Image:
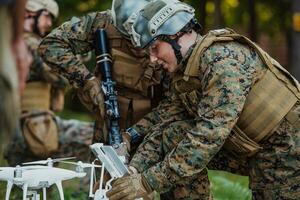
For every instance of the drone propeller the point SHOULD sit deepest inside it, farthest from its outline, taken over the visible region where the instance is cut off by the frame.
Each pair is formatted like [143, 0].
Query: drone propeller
[5, 168]
[81, 164]
[48, 161]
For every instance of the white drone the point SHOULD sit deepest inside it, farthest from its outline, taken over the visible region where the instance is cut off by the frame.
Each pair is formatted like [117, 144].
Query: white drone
[38, 176]
[34, 177]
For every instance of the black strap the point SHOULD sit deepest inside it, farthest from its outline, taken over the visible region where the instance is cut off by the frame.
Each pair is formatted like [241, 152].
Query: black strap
[176, 47]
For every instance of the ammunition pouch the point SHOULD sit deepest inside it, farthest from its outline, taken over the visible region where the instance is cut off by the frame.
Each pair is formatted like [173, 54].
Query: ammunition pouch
[131, 67]
[132, 108]
[134, 74]
[41, 133]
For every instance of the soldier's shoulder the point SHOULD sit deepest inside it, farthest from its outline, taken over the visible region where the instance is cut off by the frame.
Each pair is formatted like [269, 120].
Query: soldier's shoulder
[88, 21]
[221, 49]
[92, 16]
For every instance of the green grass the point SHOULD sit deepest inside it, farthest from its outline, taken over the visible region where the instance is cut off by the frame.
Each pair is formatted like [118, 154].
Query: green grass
[224, 186]
[69, 114]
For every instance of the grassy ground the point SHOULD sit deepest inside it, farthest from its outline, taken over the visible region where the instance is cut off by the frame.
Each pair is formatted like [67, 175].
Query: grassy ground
[224, 186]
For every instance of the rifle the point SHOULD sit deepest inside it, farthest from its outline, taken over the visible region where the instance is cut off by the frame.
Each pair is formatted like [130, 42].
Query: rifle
[108, 155]
[104, 64]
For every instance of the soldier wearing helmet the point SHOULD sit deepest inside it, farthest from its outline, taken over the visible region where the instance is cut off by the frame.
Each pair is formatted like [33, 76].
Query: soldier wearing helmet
[42, 133]
[242, 111]
[39, 16]
[138, 82]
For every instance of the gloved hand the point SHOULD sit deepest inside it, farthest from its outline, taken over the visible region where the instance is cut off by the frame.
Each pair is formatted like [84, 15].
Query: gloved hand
[91, 97]
[107, 177]
[130, 187]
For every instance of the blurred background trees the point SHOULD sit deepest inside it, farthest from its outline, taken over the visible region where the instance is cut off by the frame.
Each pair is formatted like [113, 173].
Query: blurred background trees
[273, 24]
[267, 22]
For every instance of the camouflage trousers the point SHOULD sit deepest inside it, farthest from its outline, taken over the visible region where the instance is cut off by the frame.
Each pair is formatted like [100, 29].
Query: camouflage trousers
[74, 140]
[160, 140]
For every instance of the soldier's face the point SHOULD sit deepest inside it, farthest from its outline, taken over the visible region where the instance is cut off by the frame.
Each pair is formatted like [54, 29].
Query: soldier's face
[163, 54]
[29, 21]
[44, 23]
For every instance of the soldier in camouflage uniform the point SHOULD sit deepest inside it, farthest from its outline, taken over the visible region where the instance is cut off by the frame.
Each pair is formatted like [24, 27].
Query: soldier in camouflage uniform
[241, 104]
[14, 64]
[138, 82]
[42, 134]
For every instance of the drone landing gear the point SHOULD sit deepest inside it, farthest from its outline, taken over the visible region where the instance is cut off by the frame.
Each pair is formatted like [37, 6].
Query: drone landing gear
[32, 195]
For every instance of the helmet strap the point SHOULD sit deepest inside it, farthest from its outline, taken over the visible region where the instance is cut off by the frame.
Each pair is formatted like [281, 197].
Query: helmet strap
[176, 47]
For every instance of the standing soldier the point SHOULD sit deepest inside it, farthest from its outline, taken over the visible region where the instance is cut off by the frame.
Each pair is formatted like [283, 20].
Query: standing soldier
[14, 61]
[42, 133]
[241, 103]
[138, 82]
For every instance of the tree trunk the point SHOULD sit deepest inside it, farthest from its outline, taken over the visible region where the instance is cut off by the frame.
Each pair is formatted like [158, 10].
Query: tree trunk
[252, 31]
[202, 17]
[218, 16]
[295, 43]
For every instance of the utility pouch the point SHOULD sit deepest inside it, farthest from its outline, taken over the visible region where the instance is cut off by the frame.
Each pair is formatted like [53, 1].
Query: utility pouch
[41, 134]
[127, 70]
[132, 109]
[140, 108]
[293, 117]
[57, 99]
[240, 144]
[124, 104]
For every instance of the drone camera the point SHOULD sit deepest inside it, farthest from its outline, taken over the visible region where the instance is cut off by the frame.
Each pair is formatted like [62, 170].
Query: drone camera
[79, 169]
[43, 184]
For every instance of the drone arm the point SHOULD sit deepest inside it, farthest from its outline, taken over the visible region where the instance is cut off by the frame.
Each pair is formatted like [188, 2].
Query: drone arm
[8, 189]
[101, 177]
[25, 188]
[91, 182]
[44, 193]
[60, 190]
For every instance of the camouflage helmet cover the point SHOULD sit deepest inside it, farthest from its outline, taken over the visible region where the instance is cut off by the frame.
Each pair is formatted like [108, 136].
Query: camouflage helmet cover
[160, 17]
[49, 5]
[122, 9]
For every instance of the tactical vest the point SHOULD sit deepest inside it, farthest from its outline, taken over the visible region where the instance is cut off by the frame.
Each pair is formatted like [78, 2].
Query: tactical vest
[136, 78]
[36, 96]
[269, 101]
[132, 68]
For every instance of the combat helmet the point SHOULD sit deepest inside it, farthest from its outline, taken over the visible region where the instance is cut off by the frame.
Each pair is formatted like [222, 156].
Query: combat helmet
[159, 20]
[122, 9]
[37, 5]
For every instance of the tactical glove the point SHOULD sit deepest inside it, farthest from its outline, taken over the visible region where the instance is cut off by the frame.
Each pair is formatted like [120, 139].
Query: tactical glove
[130, 187]
[91, 97]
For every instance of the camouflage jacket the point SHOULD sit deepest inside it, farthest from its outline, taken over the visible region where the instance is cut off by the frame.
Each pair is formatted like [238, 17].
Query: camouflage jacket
[228, 70]
[39, 71]
[60, 47]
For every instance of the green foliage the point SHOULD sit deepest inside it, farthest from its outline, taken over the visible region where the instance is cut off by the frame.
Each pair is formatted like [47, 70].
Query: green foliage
[69, 8]
[272, 16]
[227, 186]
